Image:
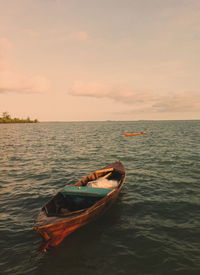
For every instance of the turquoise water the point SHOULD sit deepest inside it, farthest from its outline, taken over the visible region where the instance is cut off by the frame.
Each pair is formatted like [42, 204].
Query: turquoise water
[153, 228]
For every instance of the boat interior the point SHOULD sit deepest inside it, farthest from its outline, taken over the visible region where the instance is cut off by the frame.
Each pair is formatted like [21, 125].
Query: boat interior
[85, 193]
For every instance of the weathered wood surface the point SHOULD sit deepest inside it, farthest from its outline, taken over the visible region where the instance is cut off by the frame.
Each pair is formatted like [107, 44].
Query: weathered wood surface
[57, 229]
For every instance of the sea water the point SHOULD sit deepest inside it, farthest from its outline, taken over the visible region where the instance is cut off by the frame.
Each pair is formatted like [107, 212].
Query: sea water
[153, 228]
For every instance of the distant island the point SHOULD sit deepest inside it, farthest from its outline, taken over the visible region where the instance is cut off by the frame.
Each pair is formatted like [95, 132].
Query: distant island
[6, 118]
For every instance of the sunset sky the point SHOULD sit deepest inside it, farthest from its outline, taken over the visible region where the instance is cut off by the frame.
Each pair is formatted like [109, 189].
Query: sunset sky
[72, 60]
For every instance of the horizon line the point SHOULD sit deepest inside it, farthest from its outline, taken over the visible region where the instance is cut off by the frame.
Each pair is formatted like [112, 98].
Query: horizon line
[108, 120]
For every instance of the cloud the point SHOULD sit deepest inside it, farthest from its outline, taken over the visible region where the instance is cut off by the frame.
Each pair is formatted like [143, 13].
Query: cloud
[140, 100]
[80, 35]
[99, 90]
[179, 102]
[12, 81]
[5, 50]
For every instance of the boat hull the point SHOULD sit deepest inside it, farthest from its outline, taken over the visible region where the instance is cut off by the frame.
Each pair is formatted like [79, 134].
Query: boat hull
[54, 233]
[134, 134]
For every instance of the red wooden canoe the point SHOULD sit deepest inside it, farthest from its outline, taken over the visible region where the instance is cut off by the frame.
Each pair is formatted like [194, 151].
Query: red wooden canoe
[134, 134]
[78, 204]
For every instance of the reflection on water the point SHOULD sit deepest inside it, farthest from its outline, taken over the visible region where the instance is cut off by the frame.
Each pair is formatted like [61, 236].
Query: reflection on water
[152, 229]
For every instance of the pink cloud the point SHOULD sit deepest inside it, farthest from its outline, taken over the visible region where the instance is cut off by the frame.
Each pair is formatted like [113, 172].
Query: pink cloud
[5, 52]
[142, 100]
[100, 90]
[80, 35]
[179, 102]
[83, 35]
[10, 80]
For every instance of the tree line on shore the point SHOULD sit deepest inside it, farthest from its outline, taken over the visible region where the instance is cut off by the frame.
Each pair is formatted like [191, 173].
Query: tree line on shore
[6, 118]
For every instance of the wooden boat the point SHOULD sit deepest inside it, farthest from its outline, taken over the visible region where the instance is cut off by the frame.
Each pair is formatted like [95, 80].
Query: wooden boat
[78, 204]
[134, 134]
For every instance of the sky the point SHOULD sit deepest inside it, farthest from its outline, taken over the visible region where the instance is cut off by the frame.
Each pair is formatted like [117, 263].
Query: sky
[94, 60]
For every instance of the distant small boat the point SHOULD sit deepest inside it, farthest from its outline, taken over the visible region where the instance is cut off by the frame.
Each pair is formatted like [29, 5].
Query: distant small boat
[78, 204]
[134, 134]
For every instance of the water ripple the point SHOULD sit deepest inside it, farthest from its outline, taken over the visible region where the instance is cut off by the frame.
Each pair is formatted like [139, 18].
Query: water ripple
[152, 229]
